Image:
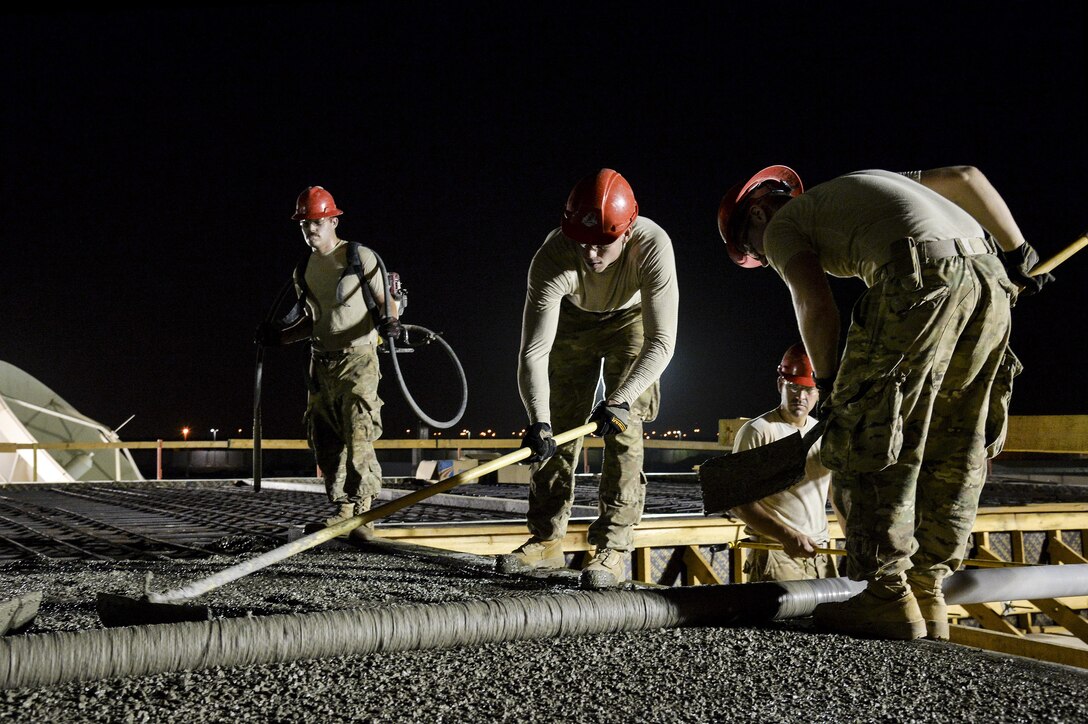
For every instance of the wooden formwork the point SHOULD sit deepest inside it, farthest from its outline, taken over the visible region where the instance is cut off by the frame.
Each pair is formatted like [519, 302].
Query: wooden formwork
[687, 550]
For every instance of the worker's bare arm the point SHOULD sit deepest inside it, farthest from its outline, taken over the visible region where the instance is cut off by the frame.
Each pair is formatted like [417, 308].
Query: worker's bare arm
[969, 189]
[817, 313]
[759, 519]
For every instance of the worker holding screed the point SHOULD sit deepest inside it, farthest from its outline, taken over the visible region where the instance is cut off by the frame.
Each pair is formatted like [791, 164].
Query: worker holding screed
[920, 398]
[341, 309]
[794, 519]
[602, 298]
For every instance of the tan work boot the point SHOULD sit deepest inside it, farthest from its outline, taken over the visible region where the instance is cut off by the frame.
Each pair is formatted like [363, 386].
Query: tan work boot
[365, 531]
[931, 604]
[536, 553]
[878, 612]
[607, 567]
[345, 511]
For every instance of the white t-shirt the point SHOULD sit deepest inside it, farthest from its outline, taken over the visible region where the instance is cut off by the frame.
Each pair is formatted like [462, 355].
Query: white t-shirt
[804, 506]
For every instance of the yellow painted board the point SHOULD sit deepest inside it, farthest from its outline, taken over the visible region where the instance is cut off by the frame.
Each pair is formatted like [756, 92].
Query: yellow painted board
[1048, 434]
[1057, 516]
[1019, 646]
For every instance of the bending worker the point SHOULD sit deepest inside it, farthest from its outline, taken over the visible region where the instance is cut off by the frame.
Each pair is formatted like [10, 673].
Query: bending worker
[602, 293]
[340, 309]
[796, 518]
[920, 397]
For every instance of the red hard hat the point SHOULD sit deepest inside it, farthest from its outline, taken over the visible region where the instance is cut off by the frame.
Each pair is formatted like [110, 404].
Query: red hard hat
[782, 178]
[796, 366]
[315, 203]
[599, 209]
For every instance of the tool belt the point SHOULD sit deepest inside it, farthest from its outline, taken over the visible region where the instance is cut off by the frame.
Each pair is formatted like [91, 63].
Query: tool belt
[905, 256]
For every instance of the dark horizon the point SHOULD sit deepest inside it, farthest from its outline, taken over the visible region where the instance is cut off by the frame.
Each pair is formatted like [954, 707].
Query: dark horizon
[152, 158]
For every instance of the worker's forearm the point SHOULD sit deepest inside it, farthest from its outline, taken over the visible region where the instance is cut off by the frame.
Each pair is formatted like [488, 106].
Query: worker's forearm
[818, 322]
[758, 519]
[817, 313]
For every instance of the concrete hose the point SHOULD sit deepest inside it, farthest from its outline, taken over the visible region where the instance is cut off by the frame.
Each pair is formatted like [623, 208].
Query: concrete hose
[429, 336]
[48, 659]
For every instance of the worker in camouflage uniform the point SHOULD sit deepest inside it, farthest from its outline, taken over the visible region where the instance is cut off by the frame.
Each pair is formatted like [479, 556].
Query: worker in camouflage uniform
[795, 518]
[342, 318]
[920, 398]
[602, 299]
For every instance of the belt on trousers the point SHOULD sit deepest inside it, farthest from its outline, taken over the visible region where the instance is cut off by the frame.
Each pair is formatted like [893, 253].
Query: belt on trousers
[943, 248]
[326, 355]
[899, 257]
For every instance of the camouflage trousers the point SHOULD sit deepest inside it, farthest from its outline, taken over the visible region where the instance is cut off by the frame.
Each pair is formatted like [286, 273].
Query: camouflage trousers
[343, 419]
[582, 340]
[920, 403]
[776, 565]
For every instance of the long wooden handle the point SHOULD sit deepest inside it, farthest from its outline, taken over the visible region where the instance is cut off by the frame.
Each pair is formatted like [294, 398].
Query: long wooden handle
[1061, 256]
[460, 479]
[275, 555]
[778, 546]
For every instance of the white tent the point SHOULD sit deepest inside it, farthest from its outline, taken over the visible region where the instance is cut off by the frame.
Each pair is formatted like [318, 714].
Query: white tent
[31, 412]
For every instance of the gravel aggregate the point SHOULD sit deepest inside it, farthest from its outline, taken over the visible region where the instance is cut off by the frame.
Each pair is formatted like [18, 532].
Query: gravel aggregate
[782, 672]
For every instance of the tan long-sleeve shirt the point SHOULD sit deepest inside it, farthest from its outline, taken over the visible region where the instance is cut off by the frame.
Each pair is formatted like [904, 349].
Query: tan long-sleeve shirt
[644, 274]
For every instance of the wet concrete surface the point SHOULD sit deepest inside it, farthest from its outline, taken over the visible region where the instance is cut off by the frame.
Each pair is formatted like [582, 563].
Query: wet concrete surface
[781, 672]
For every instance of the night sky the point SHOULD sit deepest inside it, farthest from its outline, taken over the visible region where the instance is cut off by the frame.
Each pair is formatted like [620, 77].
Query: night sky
[151, 159]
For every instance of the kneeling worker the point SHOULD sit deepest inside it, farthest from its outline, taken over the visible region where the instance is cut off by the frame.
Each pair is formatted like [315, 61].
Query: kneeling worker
[797, 517]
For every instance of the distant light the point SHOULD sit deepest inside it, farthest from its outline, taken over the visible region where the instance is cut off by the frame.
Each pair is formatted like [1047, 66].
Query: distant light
[185, 433]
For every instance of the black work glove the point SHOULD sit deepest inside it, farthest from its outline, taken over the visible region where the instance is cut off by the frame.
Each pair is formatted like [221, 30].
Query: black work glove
[389, 327]
[538, 438]
[610, 419]
[1018, 263]
[824, 385]
[268, 335]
